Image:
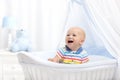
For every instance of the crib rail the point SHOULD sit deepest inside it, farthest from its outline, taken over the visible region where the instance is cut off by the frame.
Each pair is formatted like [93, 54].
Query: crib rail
[37, 72]
[34, 70]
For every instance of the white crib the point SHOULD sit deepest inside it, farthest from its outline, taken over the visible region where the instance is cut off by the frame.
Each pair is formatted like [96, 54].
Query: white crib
[36, 67]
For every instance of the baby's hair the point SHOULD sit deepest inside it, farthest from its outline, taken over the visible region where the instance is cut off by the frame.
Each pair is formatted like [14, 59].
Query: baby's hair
[80, 29]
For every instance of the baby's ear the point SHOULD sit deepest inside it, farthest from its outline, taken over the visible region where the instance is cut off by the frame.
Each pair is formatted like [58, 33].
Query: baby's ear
[82, 41]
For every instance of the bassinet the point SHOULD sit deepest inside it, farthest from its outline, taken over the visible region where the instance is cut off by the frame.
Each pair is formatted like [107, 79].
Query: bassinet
[36, 67]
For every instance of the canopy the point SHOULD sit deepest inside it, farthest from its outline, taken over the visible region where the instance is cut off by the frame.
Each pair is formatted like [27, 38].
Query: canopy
[99, 19]
[102, 33]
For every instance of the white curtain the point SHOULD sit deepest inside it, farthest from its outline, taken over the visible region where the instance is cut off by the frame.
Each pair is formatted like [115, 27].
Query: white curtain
[102, 19]
[44, 20]
[106, 15]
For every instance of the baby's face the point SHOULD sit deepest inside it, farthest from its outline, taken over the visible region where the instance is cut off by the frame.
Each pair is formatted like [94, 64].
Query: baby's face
[74, 38]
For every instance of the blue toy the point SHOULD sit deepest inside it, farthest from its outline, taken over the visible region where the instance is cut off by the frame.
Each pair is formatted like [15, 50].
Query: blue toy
[21, 43]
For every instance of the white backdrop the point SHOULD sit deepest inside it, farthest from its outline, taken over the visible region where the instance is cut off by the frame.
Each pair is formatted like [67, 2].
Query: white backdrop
[45, 20]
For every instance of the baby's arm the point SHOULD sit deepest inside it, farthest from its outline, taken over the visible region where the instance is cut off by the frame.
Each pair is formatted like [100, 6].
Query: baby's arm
[55, 59]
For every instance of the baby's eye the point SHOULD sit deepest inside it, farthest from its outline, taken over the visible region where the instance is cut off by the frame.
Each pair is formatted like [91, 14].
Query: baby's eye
[68, 35]
[74, 35]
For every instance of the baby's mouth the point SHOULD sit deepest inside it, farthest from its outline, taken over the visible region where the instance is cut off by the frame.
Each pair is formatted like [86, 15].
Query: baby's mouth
[70, 41]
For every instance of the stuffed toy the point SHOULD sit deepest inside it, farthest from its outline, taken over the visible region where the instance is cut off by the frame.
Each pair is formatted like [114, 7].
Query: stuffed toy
[21, 42]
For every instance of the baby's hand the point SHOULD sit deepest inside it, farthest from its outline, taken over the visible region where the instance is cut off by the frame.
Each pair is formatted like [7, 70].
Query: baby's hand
[53, 60]
[50, 59]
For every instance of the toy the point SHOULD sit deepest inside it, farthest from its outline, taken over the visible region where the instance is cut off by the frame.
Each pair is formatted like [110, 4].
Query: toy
[22, 42]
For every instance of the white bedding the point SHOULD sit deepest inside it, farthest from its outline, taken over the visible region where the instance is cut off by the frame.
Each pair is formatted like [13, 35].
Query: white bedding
[42, 58]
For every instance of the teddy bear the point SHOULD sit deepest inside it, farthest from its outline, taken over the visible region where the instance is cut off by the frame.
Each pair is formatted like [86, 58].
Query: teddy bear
[21, 42]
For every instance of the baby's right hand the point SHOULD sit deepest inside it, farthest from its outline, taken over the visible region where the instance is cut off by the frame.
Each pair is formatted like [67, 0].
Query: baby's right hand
[50, 59]
[53, 60]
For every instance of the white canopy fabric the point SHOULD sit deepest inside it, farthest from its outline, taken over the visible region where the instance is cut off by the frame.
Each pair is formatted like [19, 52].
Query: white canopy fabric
[100, 19]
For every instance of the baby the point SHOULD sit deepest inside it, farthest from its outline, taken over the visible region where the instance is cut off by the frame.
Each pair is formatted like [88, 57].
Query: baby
[72, 53]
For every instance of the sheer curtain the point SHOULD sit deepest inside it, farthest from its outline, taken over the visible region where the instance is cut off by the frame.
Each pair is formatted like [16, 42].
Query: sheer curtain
[103, 19]
[106, 16]
[100, 19]
[43, 19]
